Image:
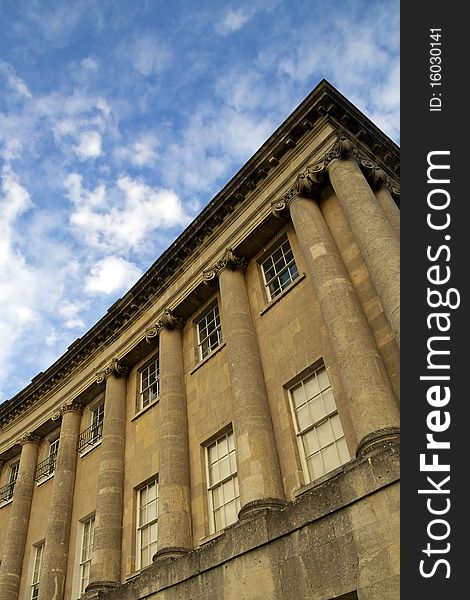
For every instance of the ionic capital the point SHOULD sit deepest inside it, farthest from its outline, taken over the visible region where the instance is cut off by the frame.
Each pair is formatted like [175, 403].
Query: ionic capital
[229, 261]
[378, 179]
[29, 438]
[308, 184]
[115, 367]
[69, 406]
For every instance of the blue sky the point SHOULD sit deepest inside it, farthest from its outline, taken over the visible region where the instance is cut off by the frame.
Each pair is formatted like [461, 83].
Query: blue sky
[121, 119]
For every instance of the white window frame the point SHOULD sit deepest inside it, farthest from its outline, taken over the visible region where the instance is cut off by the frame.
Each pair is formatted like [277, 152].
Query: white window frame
[216, 484]
[86, 550]
[202, 323]
[53, 449]
[153, 394]
[36, 571]
[314, 425]
[287, 266]
[147, 524]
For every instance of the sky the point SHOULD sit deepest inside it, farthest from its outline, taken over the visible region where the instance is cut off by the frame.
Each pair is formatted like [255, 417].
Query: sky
[121, 119]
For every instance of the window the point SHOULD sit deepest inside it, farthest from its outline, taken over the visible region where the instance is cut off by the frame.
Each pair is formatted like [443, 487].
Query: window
[6, 492]
[224, 497]
[318, 427]
[279, 270]
[47, 466]
[39, 550]
[92, 435]
[209, 332]
[88, 528]
[147, 523]
[149, 383]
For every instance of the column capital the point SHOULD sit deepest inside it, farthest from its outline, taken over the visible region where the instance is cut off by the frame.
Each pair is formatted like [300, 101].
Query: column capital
[114, 367]
[308, 184]
[29, 438]
[378, 179]
[229, 261]
[170, 321]
[69, 406]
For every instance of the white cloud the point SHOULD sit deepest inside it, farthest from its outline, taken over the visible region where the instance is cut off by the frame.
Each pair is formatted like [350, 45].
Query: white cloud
[232, 21]
[140, 153]
[148, 54]
[120, 219]
[90, 145]
[15, 82]
[112, 274]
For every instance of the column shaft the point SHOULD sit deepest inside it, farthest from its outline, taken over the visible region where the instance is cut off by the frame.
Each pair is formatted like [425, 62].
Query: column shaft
[174, 521]
[391, 210]
[105, 570]
[367, 387]
[374, 234]
[257, 461]
[15, 539]
[54, 561]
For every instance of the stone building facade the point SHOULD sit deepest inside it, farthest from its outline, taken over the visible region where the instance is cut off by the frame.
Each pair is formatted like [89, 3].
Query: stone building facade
[230, 428]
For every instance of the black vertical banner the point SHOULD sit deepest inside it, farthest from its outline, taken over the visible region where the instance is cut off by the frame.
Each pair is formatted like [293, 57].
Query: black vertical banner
[435, 181]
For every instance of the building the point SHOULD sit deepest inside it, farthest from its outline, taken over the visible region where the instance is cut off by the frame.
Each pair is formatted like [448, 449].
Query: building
[230, 428]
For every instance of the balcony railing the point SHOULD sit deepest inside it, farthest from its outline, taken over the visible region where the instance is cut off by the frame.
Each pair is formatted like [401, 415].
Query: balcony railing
[6, 492]
[90, 436]
[45, 468]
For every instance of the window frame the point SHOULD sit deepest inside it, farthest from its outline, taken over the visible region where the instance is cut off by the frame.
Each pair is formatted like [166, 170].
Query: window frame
[36, 571]
[278, 245]
[214, 306]
[314, 425]
[211, 486]
[141, 527]
[155, 360]
[85, 565]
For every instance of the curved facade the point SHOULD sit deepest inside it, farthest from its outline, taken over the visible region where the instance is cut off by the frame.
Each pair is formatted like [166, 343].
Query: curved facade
[230, 428]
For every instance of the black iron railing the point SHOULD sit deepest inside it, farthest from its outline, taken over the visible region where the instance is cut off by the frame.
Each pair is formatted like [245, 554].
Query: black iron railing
[46, 467]
[90, 436]
[6, 492]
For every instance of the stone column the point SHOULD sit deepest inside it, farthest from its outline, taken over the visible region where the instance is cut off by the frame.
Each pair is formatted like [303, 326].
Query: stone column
[174, 517]
[54, 560]
[368, 390]
[257, 460]
[383, 189]
[105, 570]
[15, 539]
[372, 231]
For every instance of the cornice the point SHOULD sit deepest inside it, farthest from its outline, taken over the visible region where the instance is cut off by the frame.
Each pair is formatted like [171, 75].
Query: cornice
[323, 105]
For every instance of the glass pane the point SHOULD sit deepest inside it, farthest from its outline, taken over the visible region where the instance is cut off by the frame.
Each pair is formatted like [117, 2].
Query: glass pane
[298, 396]
[217, 497]
[337, 428]
[233, 463]
[329, 401]
[310, 442]
[224, 467]
[212, 453]
[230, 513]
[343, 450]
[303, 417]
[222, 447]
[325, 434]
[229, 491]
[323, 379]
[219, 520]
[152, 511]
[144, 537]
[317, 411]
[214, 474]
[231, 445]
[330, 458]
[311, 387]
[315, 466]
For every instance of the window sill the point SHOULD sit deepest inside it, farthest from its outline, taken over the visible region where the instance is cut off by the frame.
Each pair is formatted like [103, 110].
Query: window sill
[212, 536]
[327, 476]
[283, 293]
[6, 503]
[146, 408]
[203, 362]
[44, 479]
[85, 452]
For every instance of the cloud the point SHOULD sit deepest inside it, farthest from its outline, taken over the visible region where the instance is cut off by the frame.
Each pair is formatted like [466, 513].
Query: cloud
[90, 145]
[120, 218]
[232, 21]
[140, 153]
[15, 82]
[148, 55]
[112, 274]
